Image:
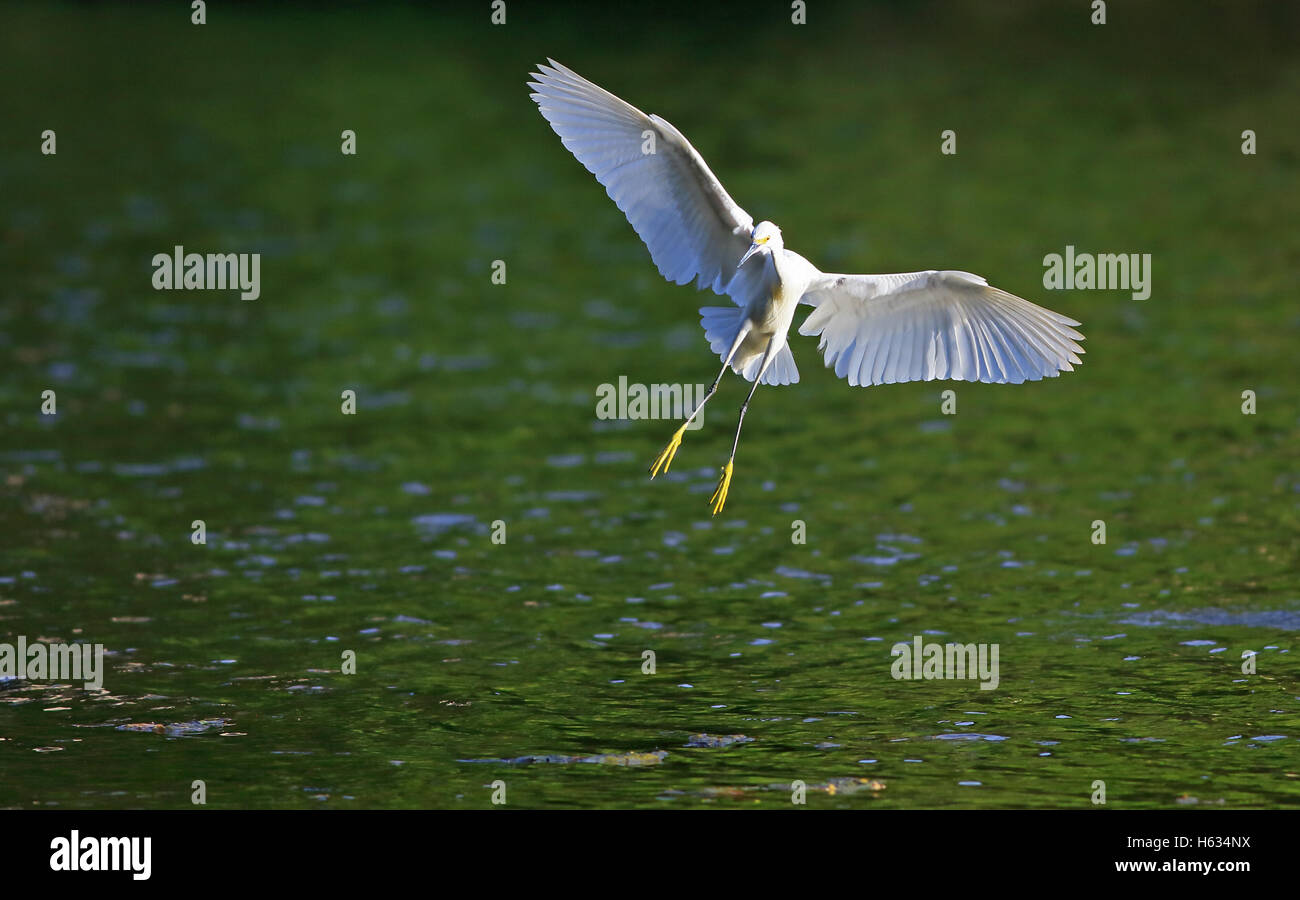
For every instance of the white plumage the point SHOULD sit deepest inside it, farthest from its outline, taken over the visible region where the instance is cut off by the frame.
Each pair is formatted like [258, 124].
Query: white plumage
[923, 326]
[874, 329]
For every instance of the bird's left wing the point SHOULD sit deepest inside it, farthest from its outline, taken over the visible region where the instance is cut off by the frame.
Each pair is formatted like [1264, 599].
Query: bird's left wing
[691, 226]
[923, 326]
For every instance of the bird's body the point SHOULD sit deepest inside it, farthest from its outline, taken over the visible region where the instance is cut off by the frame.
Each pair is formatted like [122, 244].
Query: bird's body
[767, 316]
[873, 329]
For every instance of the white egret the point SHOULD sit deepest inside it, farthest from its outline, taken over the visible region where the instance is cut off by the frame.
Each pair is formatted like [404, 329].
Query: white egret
[874, 329]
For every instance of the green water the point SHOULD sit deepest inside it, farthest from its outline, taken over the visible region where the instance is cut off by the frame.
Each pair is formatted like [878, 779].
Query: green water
[522, 661]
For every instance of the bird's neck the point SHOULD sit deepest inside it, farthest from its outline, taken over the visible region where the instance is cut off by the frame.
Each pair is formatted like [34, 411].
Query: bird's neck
[778, 260]
[793, 271]
[788, 269]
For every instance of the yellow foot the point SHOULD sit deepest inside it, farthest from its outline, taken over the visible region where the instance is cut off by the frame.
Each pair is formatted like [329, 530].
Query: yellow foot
[719, 497]
[665, 457]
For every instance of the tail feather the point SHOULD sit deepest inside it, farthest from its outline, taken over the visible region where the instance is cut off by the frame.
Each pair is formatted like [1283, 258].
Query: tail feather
[782, 370]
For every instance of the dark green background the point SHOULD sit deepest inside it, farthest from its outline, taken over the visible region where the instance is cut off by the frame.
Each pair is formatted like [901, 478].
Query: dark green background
[476, 404]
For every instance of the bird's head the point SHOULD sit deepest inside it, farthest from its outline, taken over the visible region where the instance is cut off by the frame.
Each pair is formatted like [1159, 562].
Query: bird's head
[766, 236]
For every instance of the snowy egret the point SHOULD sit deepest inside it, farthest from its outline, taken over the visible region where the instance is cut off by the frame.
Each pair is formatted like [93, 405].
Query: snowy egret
[874, 329]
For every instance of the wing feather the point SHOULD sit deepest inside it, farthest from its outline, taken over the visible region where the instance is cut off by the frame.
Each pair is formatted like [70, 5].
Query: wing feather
[689, 223]
[926, 326]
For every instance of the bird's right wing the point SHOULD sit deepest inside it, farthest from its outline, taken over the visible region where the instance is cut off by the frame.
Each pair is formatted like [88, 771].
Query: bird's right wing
[691, 226]
[922, 326]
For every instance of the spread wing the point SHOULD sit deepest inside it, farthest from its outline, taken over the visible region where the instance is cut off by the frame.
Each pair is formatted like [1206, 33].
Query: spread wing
[692, 227]
[923, 326]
